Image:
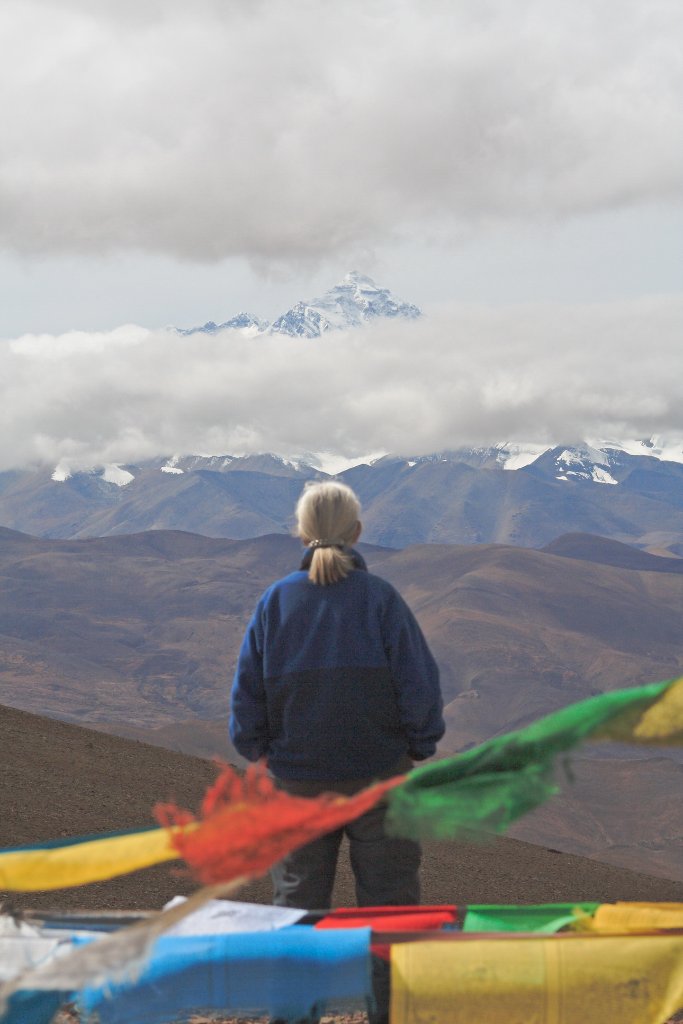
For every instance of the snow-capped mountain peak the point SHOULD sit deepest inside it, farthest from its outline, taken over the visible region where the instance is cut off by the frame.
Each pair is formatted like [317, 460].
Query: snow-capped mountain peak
[654, 447]
[355, 301]
[245, 322]
[584, 463]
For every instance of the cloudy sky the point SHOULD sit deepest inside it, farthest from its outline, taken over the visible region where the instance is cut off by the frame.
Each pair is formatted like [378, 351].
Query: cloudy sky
[515, 169]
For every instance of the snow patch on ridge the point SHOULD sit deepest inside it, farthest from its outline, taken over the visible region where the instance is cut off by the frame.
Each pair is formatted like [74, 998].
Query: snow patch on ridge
[584, 463]
[114, 474]
[601, 476]
[655, 447]
[172, 466]
[517, 454]
[328, 462]
[61, 473]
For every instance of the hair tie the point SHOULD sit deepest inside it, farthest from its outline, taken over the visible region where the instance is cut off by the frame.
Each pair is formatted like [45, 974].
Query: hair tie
[326, 544]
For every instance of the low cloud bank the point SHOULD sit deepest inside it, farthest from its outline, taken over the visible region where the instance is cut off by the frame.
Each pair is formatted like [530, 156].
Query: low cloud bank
[467, 375]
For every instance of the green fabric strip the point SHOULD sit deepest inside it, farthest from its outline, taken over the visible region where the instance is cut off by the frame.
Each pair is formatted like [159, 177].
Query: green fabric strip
[543, 917]
[485, 789]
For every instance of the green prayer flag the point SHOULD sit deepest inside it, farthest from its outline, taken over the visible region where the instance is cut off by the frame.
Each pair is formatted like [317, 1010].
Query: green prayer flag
[541, 917]
[485, 789]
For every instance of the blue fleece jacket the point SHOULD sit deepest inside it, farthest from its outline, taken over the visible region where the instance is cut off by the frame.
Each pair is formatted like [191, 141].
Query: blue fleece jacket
[335, 682]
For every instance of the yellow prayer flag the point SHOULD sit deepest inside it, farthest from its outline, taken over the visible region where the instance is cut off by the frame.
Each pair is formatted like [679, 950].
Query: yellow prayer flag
[663, 721]
[659, 724]
[635, 917]
[93, 860]
[564, 979]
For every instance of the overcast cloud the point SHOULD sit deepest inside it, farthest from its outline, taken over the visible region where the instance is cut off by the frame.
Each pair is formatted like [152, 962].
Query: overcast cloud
[287, 132]
[469, 375]
[535, 149]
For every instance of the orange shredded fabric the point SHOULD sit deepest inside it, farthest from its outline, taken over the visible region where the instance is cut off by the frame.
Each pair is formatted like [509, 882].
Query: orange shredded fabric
[247, 824]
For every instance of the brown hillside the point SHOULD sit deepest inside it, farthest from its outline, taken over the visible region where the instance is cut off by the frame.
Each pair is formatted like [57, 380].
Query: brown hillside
[62, 780]
[145, 629]
[520, 633]
[139, 635]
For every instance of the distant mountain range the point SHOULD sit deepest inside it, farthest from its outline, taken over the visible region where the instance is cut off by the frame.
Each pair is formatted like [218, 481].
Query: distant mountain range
[139, 635]
[509, 493]
[351, 303]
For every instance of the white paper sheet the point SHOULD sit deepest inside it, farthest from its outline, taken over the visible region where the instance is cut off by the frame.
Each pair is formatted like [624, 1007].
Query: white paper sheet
[219, 917]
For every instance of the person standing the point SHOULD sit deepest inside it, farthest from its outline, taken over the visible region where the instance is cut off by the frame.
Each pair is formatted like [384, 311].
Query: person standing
[336, 688]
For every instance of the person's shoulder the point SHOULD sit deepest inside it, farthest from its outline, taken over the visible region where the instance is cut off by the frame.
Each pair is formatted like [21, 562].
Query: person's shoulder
[297, 578]
[377, 585]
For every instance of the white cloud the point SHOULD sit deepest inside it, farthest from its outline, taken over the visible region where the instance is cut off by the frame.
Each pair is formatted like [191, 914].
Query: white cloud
[285, 132]
[469, 374]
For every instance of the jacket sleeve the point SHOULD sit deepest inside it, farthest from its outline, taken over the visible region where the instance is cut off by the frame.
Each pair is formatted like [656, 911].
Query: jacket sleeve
[248, 714]
[416, 679]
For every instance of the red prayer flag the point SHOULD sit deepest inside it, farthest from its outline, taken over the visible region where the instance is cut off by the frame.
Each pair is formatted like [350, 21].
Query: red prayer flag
[247, 824]
[391, 919]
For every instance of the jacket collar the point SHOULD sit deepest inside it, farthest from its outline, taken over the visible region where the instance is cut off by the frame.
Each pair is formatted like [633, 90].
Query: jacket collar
[358, 560]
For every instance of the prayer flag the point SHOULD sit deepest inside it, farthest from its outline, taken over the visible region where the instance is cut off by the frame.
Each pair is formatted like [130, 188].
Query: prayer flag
[485, 789]
[290, 974]
[543, 917]
[636, 917]
[390, 920]
[563, 979]
[65, 863]
[247, 823]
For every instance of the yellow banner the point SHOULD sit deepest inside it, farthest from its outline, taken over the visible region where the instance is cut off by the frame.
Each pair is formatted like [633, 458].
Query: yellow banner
[661, 724]
[566, 979]
[94, 860]
[635, 917]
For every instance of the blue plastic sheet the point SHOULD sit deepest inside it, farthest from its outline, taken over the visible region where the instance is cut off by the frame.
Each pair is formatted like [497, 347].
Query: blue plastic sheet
[291, 973]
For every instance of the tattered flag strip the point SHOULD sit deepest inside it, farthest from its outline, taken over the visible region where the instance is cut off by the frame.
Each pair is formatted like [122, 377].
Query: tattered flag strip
[561, 979]
[111, 958]
[247, 824]
[62, 864]
[485, 789]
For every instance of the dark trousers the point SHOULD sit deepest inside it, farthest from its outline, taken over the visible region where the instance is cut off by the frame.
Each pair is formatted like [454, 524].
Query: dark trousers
[385, 869]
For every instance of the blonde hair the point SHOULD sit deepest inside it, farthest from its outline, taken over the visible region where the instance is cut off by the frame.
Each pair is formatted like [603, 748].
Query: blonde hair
[327, 517]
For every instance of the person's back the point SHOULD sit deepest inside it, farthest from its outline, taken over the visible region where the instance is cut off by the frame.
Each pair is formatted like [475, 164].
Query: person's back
[335, 686]
[346, 679]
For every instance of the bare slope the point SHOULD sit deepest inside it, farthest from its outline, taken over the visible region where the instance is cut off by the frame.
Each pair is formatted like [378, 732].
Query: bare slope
[62, 780]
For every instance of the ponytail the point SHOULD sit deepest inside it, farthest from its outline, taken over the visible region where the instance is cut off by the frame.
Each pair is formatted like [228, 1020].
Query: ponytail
[328, 522]
[329, 565]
